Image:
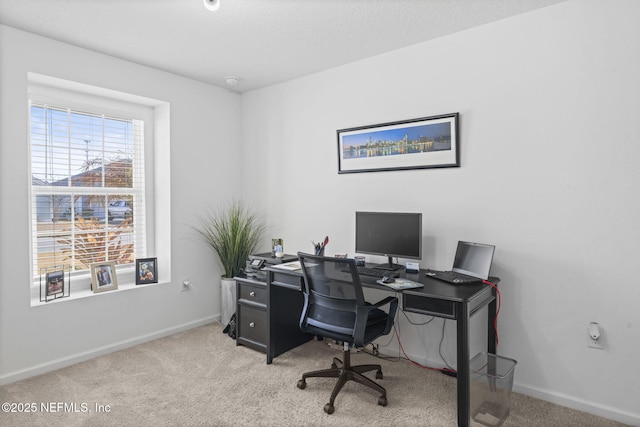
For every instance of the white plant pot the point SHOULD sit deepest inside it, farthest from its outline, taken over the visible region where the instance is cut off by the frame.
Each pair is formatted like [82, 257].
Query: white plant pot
[227, 299]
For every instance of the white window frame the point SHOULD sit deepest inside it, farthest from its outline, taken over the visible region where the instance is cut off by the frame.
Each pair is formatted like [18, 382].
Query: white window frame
[155, 115]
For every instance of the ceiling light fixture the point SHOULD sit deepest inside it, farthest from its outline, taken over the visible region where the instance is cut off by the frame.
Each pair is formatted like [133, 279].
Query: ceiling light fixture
[231, 80]
[212, 5]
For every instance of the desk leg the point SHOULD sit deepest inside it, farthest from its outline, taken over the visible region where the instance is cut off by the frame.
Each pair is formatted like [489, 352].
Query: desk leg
[491, 330]
[464, 392]
[284, 306]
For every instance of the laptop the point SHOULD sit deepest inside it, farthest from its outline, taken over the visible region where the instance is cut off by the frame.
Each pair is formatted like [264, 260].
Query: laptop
[471, 264]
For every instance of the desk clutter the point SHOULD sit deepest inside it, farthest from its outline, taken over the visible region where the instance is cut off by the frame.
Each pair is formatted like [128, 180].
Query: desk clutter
[400, 284]
[256, 262]
[290, 266]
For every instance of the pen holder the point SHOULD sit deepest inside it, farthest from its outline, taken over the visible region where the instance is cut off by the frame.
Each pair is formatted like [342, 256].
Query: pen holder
[318, 248]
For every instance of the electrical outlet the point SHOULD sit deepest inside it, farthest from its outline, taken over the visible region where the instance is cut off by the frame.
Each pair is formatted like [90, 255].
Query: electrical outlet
[594, 336]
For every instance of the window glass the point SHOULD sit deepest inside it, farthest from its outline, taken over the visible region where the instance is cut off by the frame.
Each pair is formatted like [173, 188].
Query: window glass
[88, 195]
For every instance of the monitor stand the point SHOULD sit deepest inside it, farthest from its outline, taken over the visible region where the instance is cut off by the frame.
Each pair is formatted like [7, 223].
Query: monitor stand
[390, 266]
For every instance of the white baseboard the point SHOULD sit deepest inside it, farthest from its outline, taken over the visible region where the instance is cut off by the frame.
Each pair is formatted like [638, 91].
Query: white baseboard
[604, 411]
[81, 357]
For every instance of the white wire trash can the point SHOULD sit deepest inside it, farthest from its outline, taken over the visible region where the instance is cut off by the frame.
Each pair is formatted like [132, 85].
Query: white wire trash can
[491, 383]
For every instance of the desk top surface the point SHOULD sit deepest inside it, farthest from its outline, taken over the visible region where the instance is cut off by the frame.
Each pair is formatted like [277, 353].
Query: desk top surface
[432, 287]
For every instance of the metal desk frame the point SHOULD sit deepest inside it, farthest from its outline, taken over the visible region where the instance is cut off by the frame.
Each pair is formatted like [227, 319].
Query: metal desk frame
[436, 298]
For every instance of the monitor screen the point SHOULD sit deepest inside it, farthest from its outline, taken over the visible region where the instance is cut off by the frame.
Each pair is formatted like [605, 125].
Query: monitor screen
[390, 234]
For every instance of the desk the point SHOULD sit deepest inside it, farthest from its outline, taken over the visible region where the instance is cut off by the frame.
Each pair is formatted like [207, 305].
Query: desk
[277, 305]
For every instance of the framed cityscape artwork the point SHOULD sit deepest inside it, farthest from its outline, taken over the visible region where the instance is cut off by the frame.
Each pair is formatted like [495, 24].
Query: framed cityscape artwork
[427, 142]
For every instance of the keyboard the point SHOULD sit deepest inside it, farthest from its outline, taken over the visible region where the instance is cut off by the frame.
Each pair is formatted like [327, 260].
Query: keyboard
[375, 272]
[452, 277]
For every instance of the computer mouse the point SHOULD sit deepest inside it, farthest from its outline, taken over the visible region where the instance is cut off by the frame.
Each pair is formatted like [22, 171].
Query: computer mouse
[388, 279]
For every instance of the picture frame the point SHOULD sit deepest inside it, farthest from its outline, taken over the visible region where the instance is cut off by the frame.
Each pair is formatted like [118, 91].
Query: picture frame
[103, 276]
[54, 284]
[146, 271]
[277, 245]
[426, 142]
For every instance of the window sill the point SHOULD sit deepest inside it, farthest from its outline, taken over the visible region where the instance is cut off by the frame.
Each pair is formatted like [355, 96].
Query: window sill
[88, 293]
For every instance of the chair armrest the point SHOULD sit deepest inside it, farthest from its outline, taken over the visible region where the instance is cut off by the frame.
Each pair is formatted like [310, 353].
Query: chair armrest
[393, 308]
[363, 315]
[387, 300]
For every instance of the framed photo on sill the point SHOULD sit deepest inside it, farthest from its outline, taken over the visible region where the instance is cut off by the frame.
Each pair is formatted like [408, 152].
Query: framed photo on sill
[427, 142]
[54, 284]
[146, 271]
[103, 276]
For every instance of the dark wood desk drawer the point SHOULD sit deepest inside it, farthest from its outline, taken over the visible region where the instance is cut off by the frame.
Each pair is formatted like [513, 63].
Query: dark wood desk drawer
[252, 326]
[427, 305]
[252, 293]
[287, 280]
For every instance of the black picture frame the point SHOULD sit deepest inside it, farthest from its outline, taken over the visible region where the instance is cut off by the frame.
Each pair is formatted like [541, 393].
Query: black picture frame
[146, 271]
[426, 142]
[54, 283]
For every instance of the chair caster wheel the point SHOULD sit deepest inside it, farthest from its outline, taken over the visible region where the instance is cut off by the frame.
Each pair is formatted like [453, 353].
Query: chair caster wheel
[382, 401]
[379, 375]
[329, 409]
[302, 384]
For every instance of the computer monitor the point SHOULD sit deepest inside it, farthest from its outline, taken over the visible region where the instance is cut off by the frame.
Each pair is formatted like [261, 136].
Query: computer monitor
[390, 234]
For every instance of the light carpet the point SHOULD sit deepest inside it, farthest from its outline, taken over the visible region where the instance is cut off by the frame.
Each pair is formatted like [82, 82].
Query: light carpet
[201, 378]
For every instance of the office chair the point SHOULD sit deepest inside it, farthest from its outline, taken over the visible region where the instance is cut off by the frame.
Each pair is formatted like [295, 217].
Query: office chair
[334, 307]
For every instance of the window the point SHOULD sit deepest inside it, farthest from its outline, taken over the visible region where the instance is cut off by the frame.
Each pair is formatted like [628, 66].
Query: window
[92, 179]
[87, 174]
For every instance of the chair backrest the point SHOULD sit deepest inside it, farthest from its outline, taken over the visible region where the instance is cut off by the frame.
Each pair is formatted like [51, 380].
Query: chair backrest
[332, 293]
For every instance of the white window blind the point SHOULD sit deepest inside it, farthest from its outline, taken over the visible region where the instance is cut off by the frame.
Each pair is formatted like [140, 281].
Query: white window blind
[88, 188]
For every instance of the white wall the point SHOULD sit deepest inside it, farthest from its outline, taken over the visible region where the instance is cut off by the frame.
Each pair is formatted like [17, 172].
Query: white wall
[549, 104]
[204, 151]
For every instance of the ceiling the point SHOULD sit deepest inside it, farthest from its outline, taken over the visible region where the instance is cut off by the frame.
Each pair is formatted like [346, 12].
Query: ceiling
[262, 42]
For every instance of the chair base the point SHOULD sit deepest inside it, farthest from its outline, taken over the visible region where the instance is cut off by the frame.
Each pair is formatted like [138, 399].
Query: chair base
[345, 372]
